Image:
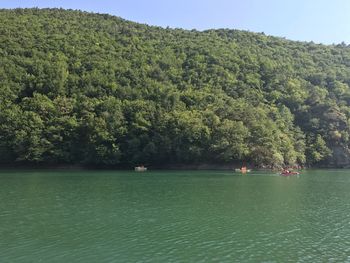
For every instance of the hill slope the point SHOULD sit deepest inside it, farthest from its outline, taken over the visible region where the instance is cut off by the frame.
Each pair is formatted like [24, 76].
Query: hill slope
[86, 88]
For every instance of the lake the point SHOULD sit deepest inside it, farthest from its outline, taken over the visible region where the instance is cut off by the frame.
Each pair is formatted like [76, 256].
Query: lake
[174, 216]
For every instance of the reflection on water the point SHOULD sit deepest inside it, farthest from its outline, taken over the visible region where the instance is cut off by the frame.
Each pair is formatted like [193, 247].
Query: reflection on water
[92, 216]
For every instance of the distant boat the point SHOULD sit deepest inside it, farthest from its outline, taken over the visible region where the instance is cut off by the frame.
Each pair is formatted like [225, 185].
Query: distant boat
[243, 170]
[288, 173]
[140, 169]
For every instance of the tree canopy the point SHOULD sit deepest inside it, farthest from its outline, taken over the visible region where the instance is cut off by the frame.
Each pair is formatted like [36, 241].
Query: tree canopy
[94, 89]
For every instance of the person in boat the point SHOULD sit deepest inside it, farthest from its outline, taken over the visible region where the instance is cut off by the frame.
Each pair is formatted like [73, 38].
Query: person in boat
[286, 171]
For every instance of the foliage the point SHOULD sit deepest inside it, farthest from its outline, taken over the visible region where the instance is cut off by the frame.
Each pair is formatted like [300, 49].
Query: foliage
[94, 89]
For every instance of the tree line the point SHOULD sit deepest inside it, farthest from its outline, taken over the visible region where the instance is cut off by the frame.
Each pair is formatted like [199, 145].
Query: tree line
[94, 89]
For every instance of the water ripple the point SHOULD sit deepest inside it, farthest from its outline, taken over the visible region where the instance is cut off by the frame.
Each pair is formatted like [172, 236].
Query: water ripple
[175, 217]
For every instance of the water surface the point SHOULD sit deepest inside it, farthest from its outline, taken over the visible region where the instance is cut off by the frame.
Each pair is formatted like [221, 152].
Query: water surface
[187, 216]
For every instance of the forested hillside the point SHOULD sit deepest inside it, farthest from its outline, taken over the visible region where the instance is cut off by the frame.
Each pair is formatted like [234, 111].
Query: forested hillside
[82, 88]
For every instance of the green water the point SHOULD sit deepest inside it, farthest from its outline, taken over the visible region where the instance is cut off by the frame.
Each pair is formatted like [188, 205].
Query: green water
[201, 216]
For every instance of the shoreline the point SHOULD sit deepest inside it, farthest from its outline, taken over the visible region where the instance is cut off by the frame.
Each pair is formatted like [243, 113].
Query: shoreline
[179, 167]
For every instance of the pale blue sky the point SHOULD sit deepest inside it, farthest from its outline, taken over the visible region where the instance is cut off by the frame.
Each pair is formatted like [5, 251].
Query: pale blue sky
[321, 21]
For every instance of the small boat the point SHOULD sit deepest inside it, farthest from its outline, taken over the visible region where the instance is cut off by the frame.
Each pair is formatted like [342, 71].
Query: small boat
[140, 169]
[243, 170]
[288, 173]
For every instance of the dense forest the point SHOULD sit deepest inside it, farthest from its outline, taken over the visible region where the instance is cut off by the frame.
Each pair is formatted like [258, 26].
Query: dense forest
[94, 89]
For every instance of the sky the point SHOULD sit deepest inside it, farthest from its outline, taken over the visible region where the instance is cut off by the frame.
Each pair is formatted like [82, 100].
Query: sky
[320, 21]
